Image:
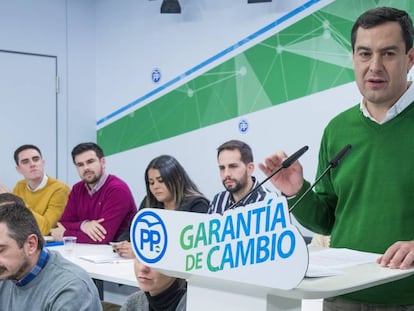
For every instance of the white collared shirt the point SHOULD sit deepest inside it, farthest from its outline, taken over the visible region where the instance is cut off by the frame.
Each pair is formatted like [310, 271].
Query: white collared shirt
[403, 102]
[40, 186]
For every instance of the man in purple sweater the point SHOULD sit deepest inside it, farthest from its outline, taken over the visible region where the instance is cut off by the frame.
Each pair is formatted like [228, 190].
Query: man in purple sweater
[101, 206]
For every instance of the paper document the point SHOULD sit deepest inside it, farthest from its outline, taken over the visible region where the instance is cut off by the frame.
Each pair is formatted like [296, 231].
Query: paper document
[331, 261]
[115, 258]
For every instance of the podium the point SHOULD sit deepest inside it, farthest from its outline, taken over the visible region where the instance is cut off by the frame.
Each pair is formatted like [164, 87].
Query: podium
[251, 258]
[210, 295]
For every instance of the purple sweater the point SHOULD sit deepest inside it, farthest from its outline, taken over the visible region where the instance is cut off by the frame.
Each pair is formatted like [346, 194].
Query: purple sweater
[113, 202]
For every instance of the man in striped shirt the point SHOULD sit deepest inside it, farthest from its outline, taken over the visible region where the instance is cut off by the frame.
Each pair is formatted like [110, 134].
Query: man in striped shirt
[235, 161]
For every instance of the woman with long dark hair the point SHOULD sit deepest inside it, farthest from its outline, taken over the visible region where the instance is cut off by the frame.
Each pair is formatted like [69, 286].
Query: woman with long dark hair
[168, 186]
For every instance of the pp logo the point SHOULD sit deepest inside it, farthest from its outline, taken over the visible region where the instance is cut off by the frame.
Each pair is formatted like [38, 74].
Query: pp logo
[156, 75]
[149, 237]
[243, 126]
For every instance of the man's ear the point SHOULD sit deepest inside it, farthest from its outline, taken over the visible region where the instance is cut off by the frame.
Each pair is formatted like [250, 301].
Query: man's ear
[410, 59]
[31, 244]
[250, 168]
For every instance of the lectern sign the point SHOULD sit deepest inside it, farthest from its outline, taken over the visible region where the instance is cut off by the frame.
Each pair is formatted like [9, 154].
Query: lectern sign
[255, 244]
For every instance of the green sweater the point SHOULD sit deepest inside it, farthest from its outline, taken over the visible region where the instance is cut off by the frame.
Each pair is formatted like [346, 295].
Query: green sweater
[367, 202]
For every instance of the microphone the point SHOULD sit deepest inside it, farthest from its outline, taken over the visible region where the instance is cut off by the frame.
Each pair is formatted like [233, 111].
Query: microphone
[332, 164]
[335, 161]
[285, 164]
[289, 161]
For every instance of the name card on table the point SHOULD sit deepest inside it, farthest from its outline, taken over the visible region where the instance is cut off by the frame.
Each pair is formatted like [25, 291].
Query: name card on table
[254, 244]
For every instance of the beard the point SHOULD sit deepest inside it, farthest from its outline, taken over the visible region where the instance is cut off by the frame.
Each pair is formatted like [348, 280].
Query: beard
[18, 275]
[235, 188]
[93, 179]
[238, 186]
[2, 270]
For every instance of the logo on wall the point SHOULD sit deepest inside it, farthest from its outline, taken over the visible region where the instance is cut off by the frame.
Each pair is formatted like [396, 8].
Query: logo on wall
[243, 126]
[156, 75]
[152, 235]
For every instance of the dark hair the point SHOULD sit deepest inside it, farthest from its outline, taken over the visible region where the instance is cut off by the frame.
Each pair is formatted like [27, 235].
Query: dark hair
[9, 197]
[381, 15]
[19, 220]
[22, 148]
[83, 147]
[244, 149]
[175, 178]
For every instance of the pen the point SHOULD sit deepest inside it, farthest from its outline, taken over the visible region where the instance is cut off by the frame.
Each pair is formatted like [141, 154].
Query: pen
[120, 261]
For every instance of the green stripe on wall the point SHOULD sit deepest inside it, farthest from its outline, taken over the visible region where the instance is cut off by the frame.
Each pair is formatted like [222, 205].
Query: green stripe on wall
[310, 56]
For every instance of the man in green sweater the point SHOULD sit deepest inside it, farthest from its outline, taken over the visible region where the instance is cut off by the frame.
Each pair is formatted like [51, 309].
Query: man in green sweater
[367, 203]
[33, 277]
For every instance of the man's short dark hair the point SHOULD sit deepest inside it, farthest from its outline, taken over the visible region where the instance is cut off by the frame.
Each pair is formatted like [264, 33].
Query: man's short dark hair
[244, 149]
[83, 147]
[8, 197]
[22, 148]
[381, 15]
[19, 220]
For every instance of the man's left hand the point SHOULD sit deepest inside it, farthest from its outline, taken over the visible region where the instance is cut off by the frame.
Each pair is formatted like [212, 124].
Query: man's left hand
[400, 255]
[57, 233]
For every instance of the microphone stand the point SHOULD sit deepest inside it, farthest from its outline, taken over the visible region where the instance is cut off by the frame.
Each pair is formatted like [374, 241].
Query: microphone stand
[288, 162]
[234, 205]
[332, 164]
[311, 187]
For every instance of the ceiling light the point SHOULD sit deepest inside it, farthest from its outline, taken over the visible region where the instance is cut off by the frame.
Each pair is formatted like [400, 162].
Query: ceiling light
[258, 1]
[170, 6]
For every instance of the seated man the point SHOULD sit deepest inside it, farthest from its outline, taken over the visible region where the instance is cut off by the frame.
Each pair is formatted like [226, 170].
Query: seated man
[45, 196]
[101, 206]
[235, 162]
[33, 277]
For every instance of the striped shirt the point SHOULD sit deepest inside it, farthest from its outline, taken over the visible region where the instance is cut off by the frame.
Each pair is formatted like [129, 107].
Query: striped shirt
[224, 200]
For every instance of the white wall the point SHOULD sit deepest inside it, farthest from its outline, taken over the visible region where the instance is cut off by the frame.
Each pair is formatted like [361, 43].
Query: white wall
[66, 29]
[81, 77]
[106, 51]
[134, 38]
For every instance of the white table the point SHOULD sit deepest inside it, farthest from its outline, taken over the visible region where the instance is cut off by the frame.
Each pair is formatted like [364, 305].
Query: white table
[208, 294]
[205, 294]
[118, 273]
[355, 278]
